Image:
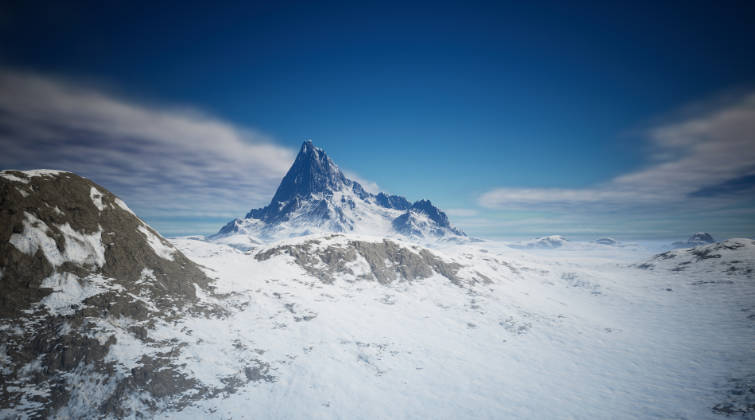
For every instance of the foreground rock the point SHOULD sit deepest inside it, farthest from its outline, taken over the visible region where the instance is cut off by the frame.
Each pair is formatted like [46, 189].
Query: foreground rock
[80, 274]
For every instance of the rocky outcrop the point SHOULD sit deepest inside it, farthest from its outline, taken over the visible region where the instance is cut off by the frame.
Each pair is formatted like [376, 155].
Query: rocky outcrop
[383, 261]
[607, 241]
[78, 269]
[732, 257]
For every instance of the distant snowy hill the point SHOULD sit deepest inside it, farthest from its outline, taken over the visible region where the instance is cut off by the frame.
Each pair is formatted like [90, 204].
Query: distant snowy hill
[699, 238]
[607, 241]
[732, 256]
[545, 242]
[316, 197]
[83, 282]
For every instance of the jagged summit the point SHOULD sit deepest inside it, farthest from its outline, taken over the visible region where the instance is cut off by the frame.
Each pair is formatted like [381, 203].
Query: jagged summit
[312, 172]
[315, 196]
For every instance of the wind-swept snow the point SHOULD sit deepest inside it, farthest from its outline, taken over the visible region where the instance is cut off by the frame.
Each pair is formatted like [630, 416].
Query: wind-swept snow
[79, 247]
[120, 203]
[96, 197]
[162, 249]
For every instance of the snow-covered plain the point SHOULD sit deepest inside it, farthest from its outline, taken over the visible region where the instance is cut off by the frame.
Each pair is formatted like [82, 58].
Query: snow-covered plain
[582, 331]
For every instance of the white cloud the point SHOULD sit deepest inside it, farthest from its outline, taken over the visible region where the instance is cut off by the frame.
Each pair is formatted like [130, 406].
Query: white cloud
[166, 162]
[686, 156]
[368, 185]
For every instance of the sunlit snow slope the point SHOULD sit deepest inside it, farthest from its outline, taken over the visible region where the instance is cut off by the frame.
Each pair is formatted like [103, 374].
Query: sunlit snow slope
[483, 332]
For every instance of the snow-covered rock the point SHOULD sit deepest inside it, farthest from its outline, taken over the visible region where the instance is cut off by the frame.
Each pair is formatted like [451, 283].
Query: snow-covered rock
[316, 197]
[337, 256]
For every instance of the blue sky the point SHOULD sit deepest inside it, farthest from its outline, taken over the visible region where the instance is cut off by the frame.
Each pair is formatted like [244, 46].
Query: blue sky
[519, 119]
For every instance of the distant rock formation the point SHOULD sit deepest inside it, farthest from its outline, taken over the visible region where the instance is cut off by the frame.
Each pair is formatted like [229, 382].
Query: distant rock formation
[699, 238]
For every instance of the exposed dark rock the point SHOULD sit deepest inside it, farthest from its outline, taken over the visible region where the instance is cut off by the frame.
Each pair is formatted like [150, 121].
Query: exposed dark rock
[64, 231]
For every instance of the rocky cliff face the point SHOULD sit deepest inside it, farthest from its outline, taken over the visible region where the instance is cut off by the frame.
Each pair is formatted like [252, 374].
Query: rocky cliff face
[316, 197]
[79, 274]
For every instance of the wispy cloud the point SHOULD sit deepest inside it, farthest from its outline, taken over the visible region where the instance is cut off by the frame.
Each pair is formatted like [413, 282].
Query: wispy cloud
[710, 157]
[164, 162]
[369, 186]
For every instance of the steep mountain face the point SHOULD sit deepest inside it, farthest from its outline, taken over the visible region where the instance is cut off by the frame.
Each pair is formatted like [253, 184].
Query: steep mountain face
[83, 280]
[315, 197]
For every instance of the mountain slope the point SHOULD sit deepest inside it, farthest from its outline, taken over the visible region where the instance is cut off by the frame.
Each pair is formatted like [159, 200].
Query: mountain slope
[316, 197]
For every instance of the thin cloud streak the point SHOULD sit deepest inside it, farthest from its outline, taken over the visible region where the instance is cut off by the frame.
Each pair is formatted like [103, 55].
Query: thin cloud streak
[369, 186]
[161, 161]
[687, 156]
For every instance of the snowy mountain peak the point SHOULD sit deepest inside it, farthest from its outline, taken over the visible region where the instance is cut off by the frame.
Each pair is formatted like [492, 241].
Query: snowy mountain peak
[312, 172]
[315, 196]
